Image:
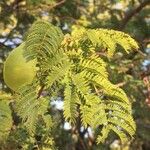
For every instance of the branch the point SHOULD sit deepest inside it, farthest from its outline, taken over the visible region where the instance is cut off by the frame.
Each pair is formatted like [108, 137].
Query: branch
[15, 6]
[59, 3]
[3, 45]
[129, 15]
[145, 73]
[49, 7]
[146, 41]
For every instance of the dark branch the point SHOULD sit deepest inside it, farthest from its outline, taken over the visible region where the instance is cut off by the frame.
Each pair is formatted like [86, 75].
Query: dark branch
[132, 13]
[5, 46]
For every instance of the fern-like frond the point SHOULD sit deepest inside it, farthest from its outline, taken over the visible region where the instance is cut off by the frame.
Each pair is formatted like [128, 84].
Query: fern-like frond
[70, 102]
[123, 137]
[115, 112]
[104, 134]
[115, 105]
[26, 107]
[29, 107]
[92, 112]
[56, 59]
[47, 120]
[98, 114]
[85, 115]
[122, 125]
[105, 39]
[120, 111]
[83, 93]
[43, 38]
[81, 84]
[109, 89]
[57, 73]
[95, 65]
[124, 117]
[109, 39]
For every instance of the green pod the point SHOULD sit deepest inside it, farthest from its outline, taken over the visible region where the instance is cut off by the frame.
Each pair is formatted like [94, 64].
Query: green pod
[17, 70]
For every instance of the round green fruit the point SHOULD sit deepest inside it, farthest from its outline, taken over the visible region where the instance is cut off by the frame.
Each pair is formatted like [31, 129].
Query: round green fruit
[17, 70]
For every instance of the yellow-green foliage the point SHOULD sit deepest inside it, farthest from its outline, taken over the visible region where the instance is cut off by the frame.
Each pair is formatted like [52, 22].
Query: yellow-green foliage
[71, 65]
[5, 116]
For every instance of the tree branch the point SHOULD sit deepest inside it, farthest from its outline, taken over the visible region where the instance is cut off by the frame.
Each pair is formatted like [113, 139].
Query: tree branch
[3, 45]
[49, 7]
[59, 3]
[132, 13]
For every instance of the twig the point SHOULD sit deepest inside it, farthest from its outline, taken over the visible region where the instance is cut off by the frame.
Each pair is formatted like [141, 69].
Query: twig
[59, 3]
[91, 140]
[120, 84]
[101, 54]
[40, 91]
[96, 90]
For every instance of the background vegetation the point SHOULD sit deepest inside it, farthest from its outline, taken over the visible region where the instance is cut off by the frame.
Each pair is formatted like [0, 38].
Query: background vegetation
[130, 72]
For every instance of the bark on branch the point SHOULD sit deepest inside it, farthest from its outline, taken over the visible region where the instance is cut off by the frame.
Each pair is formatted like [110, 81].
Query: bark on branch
[132, 13]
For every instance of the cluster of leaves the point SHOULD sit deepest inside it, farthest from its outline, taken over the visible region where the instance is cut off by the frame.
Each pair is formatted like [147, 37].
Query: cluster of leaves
[69, 67]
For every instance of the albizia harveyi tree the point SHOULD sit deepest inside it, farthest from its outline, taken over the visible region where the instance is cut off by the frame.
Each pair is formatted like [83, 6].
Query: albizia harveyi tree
[124, 70]
[67, 66]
